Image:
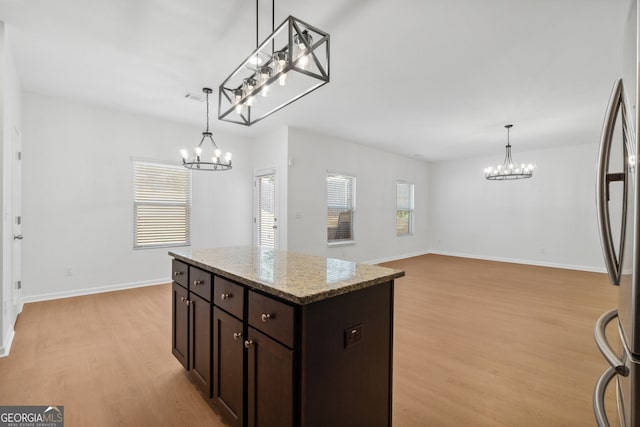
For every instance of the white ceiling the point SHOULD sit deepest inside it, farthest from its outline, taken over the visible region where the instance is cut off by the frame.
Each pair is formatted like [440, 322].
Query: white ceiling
[437, 78]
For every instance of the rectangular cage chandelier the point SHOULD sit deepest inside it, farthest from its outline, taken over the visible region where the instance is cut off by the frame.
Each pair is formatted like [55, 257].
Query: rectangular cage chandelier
[291, 63]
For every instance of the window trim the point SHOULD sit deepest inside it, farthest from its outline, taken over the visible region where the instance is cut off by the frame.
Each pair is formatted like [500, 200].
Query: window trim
[189, 204]
[345, 242]
[411, 210]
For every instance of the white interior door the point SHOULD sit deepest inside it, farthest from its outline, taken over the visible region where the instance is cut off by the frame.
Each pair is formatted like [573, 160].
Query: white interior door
[265, 217]
[17, 224]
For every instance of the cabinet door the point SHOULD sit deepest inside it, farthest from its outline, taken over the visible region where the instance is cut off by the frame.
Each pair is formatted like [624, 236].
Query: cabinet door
[200, 348]
[228, 376]
[270, 382]
[180, 324]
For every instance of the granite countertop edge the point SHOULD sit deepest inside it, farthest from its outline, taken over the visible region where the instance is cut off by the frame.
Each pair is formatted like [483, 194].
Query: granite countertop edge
[265, 287]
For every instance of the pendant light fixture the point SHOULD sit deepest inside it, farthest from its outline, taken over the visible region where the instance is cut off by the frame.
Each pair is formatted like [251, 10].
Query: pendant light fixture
[509, 170]
[289, 64]
[202, 158]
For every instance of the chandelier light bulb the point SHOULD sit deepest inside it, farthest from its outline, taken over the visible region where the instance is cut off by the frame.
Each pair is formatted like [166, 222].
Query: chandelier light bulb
[184, 153]
[227, 157]
[198, 151]
[216, 152]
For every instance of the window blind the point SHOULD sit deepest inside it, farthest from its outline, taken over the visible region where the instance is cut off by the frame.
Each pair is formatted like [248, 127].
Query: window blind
[404, 208]
[162, 205]
[265, 219]
[340, 207]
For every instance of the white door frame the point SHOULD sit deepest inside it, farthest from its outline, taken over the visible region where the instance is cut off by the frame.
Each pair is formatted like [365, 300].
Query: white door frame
[16, 269]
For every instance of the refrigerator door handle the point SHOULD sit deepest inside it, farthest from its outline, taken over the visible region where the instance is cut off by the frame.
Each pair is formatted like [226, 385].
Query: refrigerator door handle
[598, 397]
[603, 179]
[614, 360]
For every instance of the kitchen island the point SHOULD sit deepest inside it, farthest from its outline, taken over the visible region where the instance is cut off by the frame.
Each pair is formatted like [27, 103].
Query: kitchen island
[274, 338]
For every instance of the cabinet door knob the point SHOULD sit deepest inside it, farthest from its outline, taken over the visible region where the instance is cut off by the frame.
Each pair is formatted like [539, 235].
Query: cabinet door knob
[225, 296]
[237, 335]
[183, 299]
[248, 343]
[266, 316]
[177, 273]
[187, 302]
[197, 282]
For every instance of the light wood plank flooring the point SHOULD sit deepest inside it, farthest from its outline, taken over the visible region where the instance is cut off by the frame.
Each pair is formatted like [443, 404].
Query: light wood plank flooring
[477, 343]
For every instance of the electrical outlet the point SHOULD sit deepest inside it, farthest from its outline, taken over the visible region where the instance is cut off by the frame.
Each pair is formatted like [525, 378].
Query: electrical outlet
[353, 335]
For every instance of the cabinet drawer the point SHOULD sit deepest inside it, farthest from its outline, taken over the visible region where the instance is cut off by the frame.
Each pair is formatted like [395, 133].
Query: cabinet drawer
[272, 317]
[200, 282]
[229, 296]
[179, 272]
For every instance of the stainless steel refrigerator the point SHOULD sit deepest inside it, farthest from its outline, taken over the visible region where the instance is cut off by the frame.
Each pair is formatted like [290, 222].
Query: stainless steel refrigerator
[619, 223]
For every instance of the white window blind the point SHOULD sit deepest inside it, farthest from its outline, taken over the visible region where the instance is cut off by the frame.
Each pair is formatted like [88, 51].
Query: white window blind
[265, 216]
[162, 205]
[340, 208]
[404, 208]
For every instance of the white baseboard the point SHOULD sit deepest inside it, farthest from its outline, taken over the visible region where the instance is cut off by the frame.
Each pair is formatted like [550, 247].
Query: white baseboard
[94, 290]
[6, 345]
[523, 261]
[395, 258]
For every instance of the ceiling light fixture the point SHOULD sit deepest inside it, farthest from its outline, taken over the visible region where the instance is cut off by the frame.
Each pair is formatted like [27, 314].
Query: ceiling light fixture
[509, 170]
[298, 66]
[197, 162]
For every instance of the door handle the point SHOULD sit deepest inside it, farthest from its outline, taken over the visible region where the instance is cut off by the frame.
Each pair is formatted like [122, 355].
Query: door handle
[603, 179]
[17, 237]
[603, 344]
[598, 397]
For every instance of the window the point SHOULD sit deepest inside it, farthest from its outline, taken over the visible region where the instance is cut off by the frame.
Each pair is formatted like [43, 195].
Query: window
[265, 219]
[161, 205]
[404, 208]
[340, 208]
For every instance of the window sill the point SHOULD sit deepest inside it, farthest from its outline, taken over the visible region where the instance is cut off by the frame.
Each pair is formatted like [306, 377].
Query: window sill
[404, 235]
[341, 243]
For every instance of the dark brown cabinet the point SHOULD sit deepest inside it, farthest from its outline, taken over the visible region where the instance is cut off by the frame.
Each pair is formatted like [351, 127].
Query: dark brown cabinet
[180, 324]
[228, 369]
[269, 382]
[200, 342]
[264, 361]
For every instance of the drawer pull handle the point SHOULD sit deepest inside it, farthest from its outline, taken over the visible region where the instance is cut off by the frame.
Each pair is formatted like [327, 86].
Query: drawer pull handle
[225, 296]
[177, 273]
[198, 282]
[237, 335]
[265, 317]
[248, 343]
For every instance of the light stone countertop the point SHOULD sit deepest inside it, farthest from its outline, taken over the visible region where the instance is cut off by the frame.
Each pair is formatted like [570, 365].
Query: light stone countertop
[295, 277]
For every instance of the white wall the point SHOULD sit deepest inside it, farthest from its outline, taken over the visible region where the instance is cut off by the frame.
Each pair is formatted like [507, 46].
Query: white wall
[10, 122]
[77, 196]
[376, 174]
[549, 219]
[270, 151]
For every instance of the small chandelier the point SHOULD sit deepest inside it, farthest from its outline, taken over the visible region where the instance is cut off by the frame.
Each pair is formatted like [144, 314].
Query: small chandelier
[509, 170]
[291, 63]
[201, 161]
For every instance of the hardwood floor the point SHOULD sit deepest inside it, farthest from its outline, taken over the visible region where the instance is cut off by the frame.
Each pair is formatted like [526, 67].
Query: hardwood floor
[480, 343]
[477, 343]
